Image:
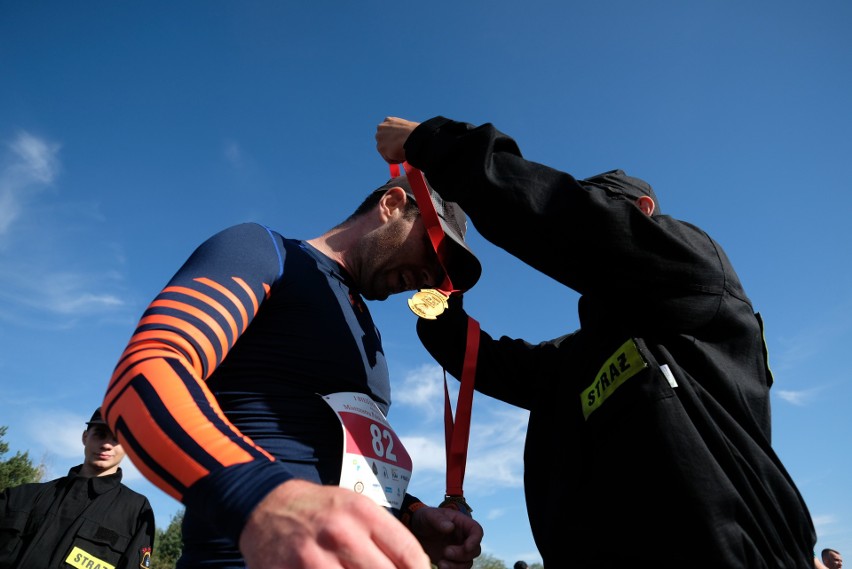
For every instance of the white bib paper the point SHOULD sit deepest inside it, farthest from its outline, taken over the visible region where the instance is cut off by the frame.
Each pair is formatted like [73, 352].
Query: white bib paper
[375, 463]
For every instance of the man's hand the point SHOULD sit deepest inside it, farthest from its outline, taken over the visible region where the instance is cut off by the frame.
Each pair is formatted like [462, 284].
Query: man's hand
[301, 525]
[391, 135]
[452, 539]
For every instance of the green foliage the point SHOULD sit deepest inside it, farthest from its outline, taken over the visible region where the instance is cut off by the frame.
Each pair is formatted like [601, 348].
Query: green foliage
[168, 544]
[486, 561]
[19, 469]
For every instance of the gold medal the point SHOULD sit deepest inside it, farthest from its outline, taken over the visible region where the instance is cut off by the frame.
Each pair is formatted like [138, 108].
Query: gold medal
[428, 303]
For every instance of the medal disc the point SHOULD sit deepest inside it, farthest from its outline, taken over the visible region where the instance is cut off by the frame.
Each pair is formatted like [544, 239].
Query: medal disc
[428, 303]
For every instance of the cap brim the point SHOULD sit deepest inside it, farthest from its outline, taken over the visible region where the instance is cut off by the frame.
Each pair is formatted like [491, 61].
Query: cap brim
[459, 261]
[462, 266]
[96, 418]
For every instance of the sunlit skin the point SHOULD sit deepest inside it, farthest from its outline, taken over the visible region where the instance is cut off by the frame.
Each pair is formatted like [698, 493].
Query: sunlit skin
[102, 452]
[832, 559]
[384, 252]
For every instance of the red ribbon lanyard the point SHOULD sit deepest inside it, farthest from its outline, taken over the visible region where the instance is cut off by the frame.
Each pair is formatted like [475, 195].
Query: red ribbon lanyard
[456, 432]
[429, 216]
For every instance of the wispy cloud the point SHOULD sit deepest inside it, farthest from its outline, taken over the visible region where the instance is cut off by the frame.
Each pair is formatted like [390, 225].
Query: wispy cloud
[42, 274]
[423, 389]
[800, 398]
[497, 432]
[814, 339]
[28, 165]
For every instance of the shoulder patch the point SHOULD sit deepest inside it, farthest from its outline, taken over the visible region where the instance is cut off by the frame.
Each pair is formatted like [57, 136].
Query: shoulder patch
[618, 368]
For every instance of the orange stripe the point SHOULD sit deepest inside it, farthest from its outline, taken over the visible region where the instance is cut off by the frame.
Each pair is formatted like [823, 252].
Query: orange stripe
[120, 377]
[178, 400]
[136, 364]
[158, 446]
[167, 340]
[249, 291]
[209, 301]
[208, 353]
[185, 411]
[201, 315]
[127, 408]
[231, 296]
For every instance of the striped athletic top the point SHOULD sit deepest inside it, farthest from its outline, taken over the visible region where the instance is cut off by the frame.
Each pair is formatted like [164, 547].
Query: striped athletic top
[217, 397]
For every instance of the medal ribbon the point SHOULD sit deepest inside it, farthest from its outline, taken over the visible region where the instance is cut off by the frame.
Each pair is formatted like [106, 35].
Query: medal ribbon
[456, 432]
[430, 217]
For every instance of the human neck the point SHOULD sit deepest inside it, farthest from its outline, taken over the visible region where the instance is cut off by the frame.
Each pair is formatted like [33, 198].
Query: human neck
[335, 244]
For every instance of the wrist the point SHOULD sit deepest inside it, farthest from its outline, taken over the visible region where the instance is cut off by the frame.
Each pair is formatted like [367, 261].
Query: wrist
[408, 512]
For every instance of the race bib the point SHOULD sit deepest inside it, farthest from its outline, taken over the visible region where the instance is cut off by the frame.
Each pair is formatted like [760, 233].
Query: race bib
[375, 463]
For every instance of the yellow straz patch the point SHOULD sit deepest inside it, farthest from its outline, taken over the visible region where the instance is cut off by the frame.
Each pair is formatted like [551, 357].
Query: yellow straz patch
[621, 366]
[82, 560]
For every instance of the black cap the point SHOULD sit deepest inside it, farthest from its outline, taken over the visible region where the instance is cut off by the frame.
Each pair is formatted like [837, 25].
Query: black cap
[461, 264]
[97, 419]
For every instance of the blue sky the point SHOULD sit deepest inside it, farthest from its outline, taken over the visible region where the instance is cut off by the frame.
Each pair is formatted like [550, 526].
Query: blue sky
[130, 132]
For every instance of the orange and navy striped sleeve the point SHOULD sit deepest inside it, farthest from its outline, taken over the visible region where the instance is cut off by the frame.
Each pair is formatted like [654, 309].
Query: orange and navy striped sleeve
[158, 402]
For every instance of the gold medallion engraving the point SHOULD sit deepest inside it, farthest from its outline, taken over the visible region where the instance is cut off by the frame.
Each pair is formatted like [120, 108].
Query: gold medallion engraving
[428, 303]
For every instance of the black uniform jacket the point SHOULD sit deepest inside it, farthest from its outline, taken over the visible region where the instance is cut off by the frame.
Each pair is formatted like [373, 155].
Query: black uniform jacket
[75, 522]
[649, 439]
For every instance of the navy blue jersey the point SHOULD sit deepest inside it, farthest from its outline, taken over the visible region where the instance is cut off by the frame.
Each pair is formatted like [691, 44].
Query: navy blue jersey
[217, 396]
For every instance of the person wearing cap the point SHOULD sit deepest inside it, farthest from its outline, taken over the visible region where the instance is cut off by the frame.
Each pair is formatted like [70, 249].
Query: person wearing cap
[85, 519]
[649, 435]
[232, 391]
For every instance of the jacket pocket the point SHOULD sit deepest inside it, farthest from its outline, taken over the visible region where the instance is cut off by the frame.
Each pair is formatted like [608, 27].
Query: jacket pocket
[97, 543]
[12, 526]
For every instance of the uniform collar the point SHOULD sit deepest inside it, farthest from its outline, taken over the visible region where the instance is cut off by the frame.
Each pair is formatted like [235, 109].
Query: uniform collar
[98, 484]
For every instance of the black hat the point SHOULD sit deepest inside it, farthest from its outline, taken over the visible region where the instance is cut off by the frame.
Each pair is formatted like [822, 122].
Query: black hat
[97, 419]
[461, 264]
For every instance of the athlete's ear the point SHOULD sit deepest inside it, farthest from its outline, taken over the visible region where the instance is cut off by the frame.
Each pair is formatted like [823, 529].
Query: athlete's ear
[646, 204]
[393, 200]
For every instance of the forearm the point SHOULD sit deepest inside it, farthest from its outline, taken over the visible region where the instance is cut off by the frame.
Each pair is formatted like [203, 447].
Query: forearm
[516, 204]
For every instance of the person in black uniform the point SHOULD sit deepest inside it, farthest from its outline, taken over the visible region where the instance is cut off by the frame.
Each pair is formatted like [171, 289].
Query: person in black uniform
[86, 519]
[649, 435]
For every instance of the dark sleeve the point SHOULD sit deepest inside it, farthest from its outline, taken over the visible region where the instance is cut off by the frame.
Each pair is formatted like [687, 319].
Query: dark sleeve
[579, 232]
[139, 552]
[12, 524]
[500, 363]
